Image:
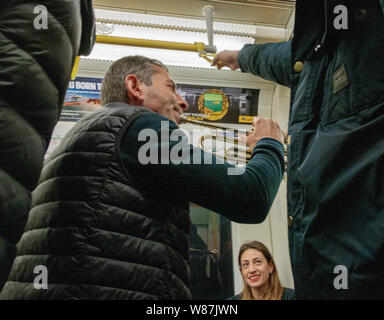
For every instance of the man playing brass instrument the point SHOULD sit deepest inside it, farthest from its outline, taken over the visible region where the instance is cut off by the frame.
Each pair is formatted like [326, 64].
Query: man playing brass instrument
[108, 226]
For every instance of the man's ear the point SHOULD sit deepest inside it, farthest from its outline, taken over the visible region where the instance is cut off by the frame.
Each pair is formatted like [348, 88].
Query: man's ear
[134, 88]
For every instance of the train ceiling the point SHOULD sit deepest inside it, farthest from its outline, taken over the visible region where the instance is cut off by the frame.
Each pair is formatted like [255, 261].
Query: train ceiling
[235, 23]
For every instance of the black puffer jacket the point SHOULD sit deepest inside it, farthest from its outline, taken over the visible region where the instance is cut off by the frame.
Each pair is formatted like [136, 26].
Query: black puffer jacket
[35, 69]
[99, 234]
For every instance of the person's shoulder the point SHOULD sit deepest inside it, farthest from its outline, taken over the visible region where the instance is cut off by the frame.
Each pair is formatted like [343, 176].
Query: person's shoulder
[236, 297]
[152, 120]
[288, 294]
[149, 117]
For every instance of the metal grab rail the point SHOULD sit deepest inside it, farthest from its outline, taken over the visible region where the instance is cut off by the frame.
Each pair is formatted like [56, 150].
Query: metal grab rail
[158, 44]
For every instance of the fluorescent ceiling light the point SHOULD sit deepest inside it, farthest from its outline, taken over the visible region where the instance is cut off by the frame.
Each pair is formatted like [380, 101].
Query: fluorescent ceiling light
[164, 21]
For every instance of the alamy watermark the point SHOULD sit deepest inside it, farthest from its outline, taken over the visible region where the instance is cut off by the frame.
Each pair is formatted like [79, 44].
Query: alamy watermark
[341, 20]
[341, 280]
[156, 149]
[41, 19]
[40, 282]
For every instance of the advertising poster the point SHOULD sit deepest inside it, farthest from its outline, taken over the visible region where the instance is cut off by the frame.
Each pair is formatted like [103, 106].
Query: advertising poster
[220, 104]
[82, 97]
[211, 104]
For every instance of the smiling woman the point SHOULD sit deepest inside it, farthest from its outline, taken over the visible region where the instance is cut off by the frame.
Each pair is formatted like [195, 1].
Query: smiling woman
[260, 277]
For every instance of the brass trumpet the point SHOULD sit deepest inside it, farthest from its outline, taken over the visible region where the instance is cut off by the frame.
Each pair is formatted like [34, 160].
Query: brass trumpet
[232, 153]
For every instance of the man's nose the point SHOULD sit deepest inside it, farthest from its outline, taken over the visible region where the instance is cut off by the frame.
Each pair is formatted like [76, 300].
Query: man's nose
[182, 103]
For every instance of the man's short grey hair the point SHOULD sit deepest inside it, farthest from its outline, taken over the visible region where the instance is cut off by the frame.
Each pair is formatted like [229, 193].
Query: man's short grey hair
[113, 87]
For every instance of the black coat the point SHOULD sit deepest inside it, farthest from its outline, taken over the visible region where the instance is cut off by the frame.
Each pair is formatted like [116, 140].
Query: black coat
[335, 189]
[98, 233]
[35, 69]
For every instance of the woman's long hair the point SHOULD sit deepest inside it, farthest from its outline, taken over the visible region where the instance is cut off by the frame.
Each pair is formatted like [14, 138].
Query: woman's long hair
[274, 289]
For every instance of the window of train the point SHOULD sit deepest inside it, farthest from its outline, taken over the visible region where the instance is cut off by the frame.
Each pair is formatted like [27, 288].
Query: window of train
[210, 255]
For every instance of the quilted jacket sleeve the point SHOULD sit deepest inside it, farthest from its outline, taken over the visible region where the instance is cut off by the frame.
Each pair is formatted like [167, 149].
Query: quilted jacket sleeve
[36, 61]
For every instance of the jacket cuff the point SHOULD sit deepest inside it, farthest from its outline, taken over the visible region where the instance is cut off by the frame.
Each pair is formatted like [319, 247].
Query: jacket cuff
[242, 57]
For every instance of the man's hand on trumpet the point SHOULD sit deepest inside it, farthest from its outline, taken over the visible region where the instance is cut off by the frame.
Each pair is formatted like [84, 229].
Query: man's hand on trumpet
[264, 128]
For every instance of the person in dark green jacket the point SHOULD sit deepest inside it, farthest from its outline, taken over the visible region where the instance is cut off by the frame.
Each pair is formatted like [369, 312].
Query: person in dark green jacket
[335, 68]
